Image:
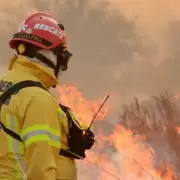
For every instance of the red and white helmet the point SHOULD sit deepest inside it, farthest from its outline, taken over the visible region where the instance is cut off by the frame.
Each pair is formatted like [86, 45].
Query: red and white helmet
[42, 30]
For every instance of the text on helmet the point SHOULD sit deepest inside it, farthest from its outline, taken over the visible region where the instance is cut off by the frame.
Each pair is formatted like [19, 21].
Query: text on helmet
[49, 29]
[28, 36]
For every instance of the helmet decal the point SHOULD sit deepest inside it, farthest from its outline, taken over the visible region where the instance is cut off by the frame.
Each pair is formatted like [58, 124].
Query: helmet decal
[50, 29]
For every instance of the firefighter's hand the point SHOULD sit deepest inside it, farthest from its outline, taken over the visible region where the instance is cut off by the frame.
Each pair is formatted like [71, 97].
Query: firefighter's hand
[83, 143]
[88, 139]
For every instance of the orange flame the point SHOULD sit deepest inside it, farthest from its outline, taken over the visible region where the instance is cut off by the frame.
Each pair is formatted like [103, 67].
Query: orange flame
[132, 157]
[84, 109]
[178, 130]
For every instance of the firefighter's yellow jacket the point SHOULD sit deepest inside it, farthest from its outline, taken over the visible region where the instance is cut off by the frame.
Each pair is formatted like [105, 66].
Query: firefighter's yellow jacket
[35, 115]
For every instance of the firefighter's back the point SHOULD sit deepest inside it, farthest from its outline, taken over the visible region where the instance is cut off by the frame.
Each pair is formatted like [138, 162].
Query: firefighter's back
[12, 151]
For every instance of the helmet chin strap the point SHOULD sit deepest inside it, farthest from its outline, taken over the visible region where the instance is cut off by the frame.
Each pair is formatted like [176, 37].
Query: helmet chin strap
[56, 59]
[49, 59]
[48, 55]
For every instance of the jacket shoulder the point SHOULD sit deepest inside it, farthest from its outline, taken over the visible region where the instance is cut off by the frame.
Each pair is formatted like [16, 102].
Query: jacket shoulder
[35, 97]
[38, 94]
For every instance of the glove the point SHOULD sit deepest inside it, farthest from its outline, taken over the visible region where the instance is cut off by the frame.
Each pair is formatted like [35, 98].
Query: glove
[88, 139]
[83, 142]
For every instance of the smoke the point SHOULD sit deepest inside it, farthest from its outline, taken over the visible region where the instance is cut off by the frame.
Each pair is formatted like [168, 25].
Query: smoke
[127, 46]
[143, 62]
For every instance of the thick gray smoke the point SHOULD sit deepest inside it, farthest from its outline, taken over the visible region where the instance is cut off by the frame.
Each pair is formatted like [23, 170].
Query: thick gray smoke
[122, 47]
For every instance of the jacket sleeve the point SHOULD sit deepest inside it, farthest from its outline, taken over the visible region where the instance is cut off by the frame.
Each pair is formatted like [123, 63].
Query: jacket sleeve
[41, 136]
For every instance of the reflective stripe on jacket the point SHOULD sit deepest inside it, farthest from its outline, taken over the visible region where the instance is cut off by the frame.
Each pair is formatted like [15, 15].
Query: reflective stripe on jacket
[31, 113]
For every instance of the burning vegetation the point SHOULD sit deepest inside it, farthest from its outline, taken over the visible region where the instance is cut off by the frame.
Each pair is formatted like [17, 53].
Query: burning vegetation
[144, 145]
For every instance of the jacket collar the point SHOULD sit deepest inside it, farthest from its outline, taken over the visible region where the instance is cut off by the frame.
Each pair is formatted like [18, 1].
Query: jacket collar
[43, 73]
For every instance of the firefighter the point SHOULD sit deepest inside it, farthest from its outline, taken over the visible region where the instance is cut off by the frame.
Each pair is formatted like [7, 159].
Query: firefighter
[40, 138]
[30, 117]
[76, 138]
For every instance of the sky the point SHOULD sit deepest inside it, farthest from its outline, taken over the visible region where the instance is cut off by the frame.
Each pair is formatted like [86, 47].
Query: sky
[152, 20]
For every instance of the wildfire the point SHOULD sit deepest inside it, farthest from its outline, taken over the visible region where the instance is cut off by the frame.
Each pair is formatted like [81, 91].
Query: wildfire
[178, 130]
[119, 156]
[84, 109]
[176, 97]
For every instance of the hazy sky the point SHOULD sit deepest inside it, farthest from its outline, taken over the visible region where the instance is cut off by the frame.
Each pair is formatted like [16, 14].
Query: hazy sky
[151, 17]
